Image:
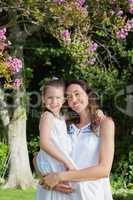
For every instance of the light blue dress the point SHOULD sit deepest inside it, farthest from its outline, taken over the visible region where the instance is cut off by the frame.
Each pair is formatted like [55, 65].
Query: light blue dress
[47, 163]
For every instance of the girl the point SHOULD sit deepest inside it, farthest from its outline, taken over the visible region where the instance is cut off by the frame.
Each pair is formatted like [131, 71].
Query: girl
[55, 144]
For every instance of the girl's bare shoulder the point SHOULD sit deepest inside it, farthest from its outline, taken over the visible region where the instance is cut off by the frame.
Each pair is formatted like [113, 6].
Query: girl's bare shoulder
[46, 115]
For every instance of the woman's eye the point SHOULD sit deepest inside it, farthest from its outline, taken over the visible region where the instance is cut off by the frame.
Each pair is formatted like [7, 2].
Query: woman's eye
[77, 94]
[68, 97]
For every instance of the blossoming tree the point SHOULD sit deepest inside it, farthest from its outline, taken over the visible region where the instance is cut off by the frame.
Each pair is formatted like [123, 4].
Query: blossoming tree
[86, 28]
[13, 116]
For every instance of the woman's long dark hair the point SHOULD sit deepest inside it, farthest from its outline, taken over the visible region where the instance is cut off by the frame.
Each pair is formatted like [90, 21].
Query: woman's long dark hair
[92, 102]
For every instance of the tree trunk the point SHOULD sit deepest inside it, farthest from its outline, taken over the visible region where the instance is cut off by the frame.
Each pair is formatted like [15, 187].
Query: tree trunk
[20, 175]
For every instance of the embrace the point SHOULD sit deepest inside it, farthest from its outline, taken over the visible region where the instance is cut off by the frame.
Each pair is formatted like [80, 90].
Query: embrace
[74, 162]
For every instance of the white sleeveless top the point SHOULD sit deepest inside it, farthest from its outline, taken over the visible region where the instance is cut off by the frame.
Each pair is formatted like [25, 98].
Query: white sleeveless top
[61, 140]
[47, 163]
[85, 153]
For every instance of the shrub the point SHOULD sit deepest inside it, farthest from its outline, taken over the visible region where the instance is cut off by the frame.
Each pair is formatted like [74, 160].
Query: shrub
[3, 159]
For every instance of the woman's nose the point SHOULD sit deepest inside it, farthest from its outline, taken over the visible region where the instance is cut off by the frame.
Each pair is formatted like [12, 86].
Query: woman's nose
[74, 99]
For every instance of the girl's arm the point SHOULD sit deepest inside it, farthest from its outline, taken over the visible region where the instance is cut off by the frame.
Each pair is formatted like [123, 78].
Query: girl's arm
[61, 187]
[36, 168]
[46, 125]
[98, 171]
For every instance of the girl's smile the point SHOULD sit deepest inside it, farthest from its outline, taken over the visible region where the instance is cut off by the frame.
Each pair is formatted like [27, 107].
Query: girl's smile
[54, 99]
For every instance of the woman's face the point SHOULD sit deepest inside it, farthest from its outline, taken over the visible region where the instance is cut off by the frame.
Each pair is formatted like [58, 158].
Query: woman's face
[77, 98]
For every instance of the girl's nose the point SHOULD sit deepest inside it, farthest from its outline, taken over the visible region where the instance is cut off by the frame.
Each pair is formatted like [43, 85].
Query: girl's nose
[54, 100]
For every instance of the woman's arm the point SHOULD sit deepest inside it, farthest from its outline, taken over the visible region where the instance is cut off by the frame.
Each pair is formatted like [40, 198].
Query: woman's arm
[46, 125]
[105, 157]
[95, 172]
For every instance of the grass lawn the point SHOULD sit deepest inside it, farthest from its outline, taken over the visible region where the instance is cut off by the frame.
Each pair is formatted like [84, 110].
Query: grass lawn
[14, 194]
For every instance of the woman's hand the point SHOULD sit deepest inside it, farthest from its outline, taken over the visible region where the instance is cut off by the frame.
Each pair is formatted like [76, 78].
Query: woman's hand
[64, 188]
[100, 116]
[51, 180]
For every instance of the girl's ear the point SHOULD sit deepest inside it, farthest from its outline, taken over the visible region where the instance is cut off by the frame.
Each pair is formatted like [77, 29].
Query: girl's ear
[43, 101]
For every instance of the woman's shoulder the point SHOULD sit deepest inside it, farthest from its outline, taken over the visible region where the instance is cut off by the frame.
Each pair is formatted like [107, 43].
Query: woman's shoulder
[108, 121]
[107, 125]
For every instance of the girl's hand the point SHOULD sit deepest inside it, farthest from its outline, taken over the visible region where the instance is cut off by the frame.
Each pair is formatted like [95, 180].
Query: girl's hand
[51, 180]
[100, 116]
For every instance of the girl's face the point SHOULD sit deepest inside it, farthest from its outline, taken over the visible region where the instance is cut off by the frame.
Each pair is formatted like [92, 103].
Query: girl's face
[54, 98]
[77, 98]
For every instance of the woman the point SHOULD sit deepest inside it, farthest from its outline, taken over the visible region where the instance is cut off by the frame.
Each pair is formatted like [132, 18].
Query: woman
[93, 148]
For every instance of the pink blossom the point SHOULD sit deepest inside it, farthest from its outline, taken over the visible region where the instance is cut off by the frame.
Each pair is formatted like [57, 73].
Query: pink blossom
[80, 2]
[120, 13]
[17, 83]
[66, 35]
[3, 45]
[131, 10]
[121, 34]
[130, 1]
[2, 34]
[130, 22]
[14, 64]
[93, 47]
[59, 1]
[91, 61]
[127, 27]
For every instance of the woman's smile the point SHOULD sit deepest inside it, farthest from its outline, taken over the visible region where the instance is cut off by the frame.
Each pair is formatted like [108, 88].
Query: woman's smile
[77, 98]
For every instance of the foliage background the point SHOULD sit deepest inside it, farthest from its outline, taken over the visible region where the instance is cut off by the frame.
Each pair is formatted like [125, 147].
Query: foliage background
[60, 47]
